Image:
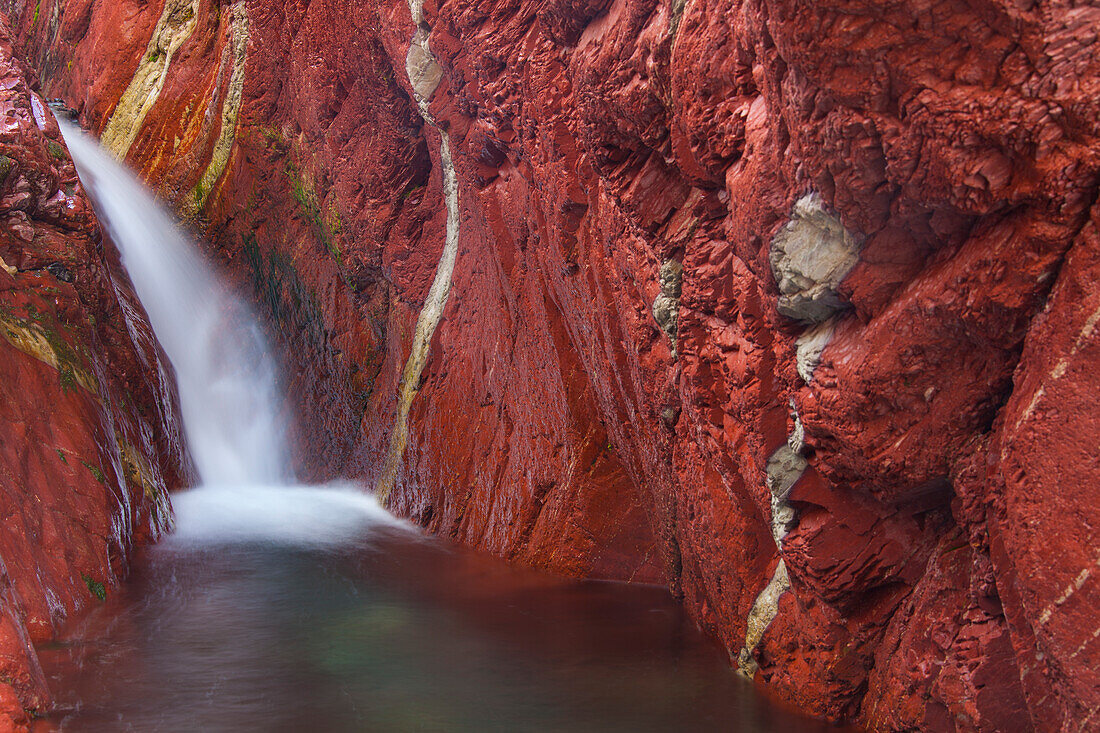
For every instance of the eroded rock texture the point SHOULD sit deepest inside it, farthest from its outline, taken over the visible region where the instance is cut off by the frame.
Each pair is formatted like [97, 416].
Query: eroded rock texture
[852, 424]
[87, 443]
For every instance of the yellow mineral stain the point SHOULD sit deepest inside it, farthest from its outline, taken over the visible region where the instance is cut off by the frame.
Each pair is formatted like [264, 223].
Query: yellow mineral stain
[33, 341]
[177, 23]
[231, 107]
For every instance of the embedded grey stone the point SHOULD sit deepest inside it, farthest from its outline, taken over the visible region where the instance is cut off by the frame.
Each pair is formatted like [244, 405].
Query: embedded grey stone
[784, 519]
[672, 279]
[797, 439]
[664, 312]
[809, 347]
[784, 468]
[424, 74]
[674, 21]
[666, 307]
[670, 415]
[424, 71]
[810, 256]
[764, 610]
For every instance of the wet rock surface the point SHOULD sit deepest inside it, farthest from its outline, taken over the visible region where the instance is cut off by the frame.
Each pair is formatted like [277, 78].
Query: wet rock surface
[884, 216]
[89, 441]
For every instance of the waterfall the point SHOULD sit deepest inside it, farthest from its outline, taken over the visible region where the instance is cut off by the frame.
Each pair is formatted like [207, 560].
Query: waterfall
[228, 382]
[227, 379]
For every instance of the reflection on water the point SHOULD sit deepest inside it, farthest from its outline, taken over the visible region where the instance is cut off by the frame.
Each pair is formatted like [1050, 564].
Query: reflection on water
[391, 632]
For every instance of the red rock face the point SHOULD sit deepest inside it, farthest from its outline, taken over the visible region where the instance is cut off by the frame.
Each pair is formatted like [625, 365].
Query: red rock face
[89, 442]
[788, 305]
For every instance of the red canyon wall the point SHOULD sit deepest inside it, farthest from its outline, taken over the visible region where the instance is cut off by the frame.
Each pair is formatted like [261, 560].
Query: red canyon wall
[87, 450]
[790, 305]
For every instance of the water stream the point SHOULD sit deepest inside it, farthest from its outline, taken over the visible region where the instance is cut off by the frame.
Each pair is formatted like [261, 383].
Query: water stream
[280, 607]
[227, 378]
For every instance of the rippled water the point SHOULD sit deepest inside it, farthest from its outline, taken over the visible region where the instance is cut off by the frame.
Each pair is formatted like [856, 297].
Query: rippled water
[258, 629]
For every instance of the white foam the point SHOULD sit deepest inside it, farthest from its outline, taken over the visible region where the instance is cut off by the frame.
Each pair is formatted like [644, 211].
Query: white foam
[227, 380]
[300, 516]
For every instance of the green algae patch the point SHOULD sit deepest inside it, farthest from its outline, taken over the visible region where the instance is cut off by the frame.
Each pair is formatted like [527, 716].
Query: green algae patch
[96, 471]
[136, 470]
[6, 164]
[326, 221]
[284, 295]
[96, 588]
[57, 150]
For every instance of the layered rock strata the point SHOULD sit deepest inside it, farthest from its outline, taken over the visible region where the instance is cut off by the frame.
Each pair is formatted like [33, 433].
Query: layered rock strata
[788, 305]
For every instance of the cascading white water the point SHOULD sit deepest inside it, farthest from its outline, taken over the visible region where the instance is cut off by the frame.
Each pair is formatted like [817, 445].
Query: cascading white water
[227, 379]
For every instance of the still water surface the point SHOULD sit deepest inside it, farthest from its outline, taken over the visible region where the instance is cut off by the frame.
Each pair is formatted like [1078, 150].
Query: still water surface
[381, 629]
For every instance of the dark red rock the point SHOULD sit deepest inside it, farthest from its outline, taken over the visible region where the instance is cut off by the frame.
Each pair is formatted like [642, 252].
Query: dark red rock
[584, 408]
[89, 442]
[941, 663]
[1042, 478]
